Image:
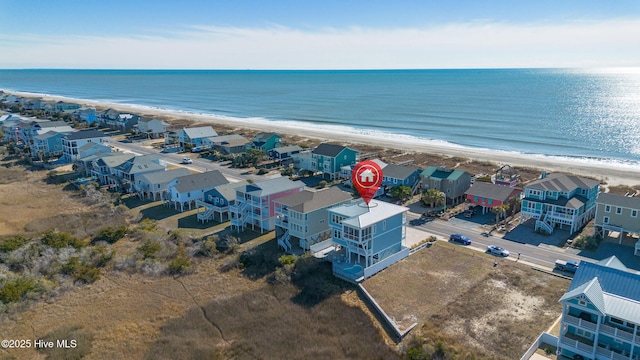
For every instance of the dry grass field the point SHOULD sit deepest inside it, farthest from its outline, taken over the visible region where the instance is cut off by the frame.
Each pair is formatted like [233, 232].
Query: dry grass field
[458, 297]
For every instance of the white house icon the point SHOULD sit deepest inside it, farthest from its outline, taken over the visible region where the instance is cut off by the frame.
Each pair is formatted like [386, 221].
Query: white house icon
[367, 176]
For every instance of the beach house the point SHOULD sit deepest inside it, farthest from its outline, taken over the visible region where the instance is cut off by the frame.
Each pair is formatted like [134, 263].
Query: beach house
[73, 141]
[329, 158]
[365, 239]
[453, 183]
[265, 141]
[559, 200]
[186, 190]
[489, 196]
[254, 203]
[88, 153]
[601, 313]
[400, 175]
[87, 115]
[128, 171]
[301, 218]
[47, 145]
[284, 152]
[153, 128]
[218, 201]
[227, 144]
[618, 215]
[189, 138]
[108, 117]
[154, 185]
[103, 167]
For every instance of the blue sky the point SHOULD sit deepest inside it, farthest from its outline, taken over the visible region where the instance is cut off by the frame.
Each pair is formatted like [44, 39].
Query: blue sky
[327, 34]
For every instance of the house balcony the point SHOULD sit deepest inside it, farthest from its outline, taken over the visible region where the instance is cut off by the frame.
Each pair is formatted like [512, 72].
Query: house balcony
[604, 352]
[577, 343]
[616, 332]
[574, 320]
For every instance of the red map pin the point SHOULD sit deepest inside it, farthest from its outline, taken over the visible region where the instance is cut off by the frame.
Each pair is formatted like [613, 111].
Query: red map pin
[367, 178]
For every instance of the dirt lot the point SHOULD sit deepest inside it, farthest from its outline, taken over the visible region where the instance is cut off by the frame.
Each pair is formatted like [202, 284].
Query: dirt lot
[496, 311]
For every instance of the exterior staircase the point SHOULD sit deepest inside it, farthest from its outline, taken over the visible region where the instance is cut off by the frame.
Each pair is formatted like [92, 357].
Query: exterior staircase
[544, 224]
[242, 214]
[207, 214]
[284, 242]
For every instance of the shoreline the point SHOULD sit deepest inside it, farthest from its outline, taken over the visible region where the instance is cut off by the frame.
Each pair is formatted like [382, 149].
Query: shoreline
[619, 173]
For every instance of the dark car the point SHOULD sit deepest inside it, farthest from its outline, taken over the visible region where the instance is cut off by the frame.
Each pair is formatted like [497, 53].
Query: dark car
[460, 239]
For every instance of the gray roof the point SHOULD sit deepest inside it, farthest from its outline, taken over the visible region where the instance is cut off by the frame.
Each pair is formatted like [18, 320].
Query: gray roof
[372, 214]
[619, 200]
[272, 186]
[200, 132]
[286, 149]
[85, 134]
[562, 183]
[113, 159]
[228, 191]
[89, 145]
[264, 136]
[160, 177]
[328, 150]
[490, 191]
[398, 171]
[231, 140]
[200, 181]
[47, 135]
[142, 164]
[610, 286]
[307, 201]
[49, 124]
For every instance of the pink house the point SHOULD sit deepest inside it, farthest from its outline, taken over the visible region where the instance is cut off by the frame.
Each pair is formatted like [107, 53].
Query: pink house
[490, 195]
[254, 203]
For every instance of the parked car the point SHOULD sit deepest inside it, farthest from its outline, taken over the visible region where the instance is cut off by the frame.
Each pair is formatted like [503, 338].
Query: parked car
[568, 266]
[196, 149]
[497, 250]
[187, 161]
[460, 239]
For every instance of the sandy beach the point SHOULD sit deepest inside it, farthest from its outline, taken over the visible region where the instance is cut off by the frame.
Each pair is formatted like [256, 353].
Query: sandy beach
[614, 174]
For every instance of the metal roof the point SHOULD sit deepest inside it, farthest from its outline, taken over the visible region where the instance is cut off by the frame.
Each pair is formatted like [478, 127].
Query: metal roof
[286, 149]
[442, 173]
[85, 134]
[159, 177]
[368, 215]
[398, 171]
[200, 132]
[272, 186]
[490, 191]
[228, 191]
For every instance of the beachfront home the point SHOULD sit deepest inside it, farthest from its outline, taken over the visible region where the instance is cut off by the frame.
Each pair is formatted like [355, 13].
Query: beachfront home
[188, 138]
[218, 201]
[126, 122]
[153, 128]
[154, 185]
[559, 199]
[619, 215]
[87, 115]
[284, 152]
[65, 106]
[265, 141]
[301, 218]
[47, 145]
[73, 141]
[601, 313]
[227, 144]
[506, 175]
[128, 171]
[365, 239]
[186, 190]
[453, 183]
[108, 117]
[254, 203]
[329, 158]
[490, 196]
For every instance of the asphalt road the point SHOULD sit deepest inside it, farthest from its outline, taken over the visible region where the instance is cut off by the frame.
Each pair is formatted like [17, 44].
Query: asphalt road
[544, 255]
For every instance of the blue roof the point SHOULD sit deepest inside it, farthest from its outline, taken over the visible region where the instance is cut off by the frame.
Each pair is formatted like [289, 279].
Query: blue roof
[613, 279]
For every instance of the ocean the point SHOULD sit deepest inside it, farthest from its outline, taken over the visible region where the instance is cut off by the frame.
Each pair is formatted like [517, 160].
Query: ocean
[587, 114]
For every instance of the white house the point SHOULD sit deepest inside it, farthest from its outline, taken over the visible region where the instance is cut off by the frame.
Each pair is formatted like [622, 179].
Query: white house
[73, 141]
[154, 128]
[186, 190]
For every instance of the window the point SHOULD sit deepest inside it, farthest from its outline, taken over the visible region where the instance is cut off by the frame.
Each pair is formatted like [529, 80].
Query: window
[607, 208]
[634, 213]
[618, 210]
[584, 333]
[384, 225]
[617, 321]
[321, 221]
[582, 302]
[605, 220]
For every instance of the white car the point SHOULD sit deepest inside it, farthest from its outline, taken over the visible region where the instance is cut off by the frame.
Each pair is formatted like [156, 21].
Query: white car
[187, 161]
[497, 250]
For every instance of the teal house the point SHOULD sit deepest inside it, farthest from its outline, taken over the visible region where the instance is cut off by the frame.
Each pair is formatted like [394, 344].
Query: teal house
[559, 200]
[265, 141]
[453, 183]
[329, 158]
[601, 313]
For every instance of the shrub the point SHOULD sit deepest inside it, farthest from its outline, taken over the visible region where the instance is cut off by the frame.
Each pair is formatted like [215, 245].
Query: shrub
[99, 256]
[149, 249]
[287, 260]
[12, 243]
[179, 265]
[586, 242]
[263, 171]
[110, 234]
[208, 248]
[322, 184]
[79, 271]
[58, 239]
[15, 289]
